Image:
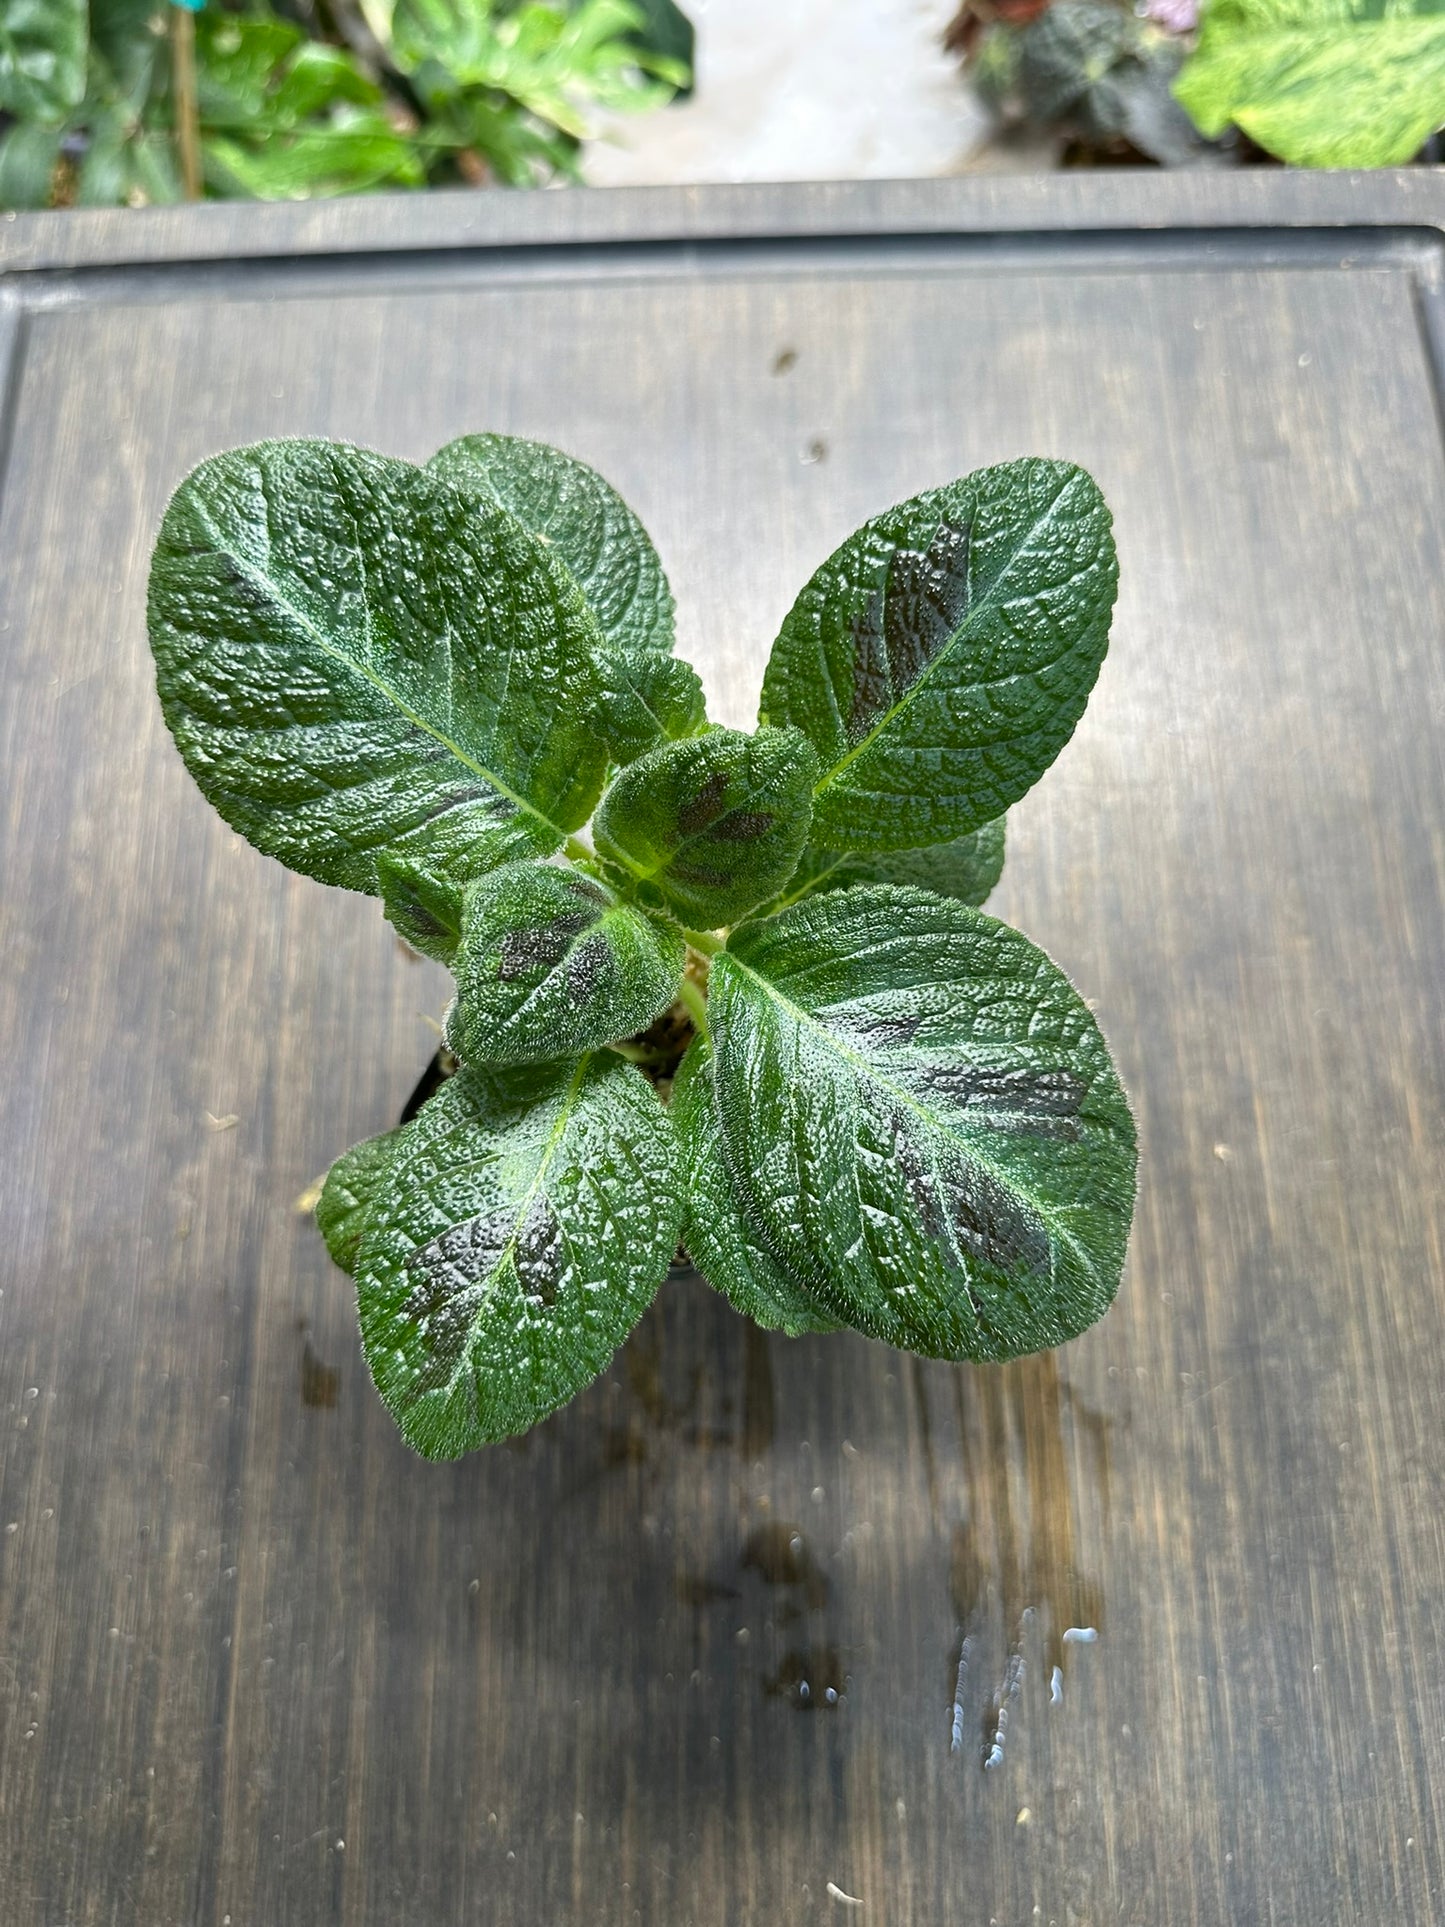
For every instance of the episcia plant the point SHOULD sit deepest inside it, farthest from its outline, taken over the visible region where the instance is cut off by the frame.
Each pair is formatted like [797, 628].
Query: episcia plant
[758, 1015]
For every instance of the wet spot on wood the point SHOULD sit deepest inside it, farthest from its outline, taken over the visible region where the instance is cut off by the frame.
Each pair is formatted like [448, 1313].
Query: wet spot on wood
[811, 1679]
[780, 1555]
[320, 1384]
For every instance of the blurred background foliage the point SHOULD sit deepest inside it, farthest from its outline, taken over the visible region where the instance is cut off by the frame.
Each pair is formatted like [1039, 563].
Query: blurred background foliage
[296, 98]
[1320, 83]
[137, 101]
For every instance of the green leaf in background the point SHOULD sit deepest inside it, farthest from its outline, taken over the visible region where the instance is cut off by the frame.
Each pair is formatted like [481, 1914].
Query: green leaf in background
[968, 868]
[424, 908]
[1069, 53]
[526, 1223]
[649, 696]
[518, 83]
[1322, 83]
[285, 116]
[925, 1120]
[553, 963]
[1108, 74]
[720, 1239]
[28, 153]
[940, 659]
[667, 32]
[711, 826]
[353, 657]
[43, 46]
[352, 1185]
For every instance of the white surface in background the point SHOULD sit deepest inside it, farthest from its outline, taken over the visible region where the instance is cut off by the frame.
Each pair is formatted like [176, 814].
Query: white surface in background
[804, 90]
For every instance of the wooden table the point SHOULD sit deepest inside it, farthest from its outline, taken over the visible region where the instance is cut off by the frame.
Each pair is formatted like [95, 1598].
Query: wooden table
[691, 1653]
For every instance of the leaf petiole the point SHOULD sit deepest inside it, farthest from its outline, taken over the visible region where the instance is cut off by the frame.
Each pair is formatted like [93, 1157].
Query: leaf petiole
[694, 1003]
[703, 942]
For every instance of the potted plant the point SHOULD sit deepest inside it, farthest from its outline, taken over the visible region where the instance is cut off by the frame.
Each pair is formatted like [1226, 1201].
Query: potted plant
[757, 1012]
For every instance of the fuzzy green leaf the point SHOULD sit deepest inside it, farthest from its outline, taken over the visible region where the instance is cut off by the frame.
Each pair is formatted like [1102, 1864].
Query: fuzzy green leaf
[352, 1186]
[720, 1238]
[940, 659]
[925, 1121]
[649, 697]
[42, 58]
[424, 908]
[553, 963]
[647, 700]
[968, 868]
[353, 657]
[590, 528]
[527, 1221]
[1321, 83]
[713, 826]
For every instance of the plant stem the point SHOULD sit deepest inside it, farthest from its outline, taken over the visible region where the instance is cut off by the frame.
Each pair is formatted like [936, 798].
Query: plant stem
[702, 942]
[694, 1003]
[634, 1053]
[188, 122]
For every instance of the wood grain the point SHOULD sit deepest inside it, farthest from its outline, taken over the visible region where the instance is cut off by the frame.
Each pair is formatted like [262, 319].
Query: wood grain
[732, 1637]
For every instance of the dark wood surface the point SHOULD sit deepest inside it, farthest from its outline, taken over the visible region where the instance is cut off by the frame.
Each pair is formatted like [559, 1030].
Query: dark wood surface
[258, 1664]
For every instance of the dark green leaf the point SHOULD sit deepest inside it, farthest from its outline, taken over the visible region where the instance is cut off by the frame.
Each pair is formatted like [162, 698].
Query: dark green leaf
[426, 909]
[1153, 120]
[967, 868]
[42, 57]
[1071, 53]
[353, 657]
[647, 700]
[940, 659]
[721, 1240]
[1321, 83]
[667, 31]
[649, 696]
[552, 963]
[925, 1120]
[589, 527]
[352, 1186]
[712, 826]
[525, 1226]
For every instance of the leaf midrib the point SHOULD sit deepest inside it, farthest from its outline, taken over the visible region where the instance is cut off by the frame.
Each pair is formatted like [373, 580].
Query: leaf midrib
[267, 586]
[519, 1216]
[977, 609]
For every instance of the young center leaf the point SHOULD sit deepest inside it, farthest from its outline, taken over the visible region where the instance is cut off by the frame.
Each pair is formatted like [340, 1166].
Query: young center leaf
[925, 1121]
[525, 1225]
[351, 1188]
[552, 963]
[354, 657]
[720, 1238]
[940, 659]
[648, 695]
[711, 827]
[968, 868]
